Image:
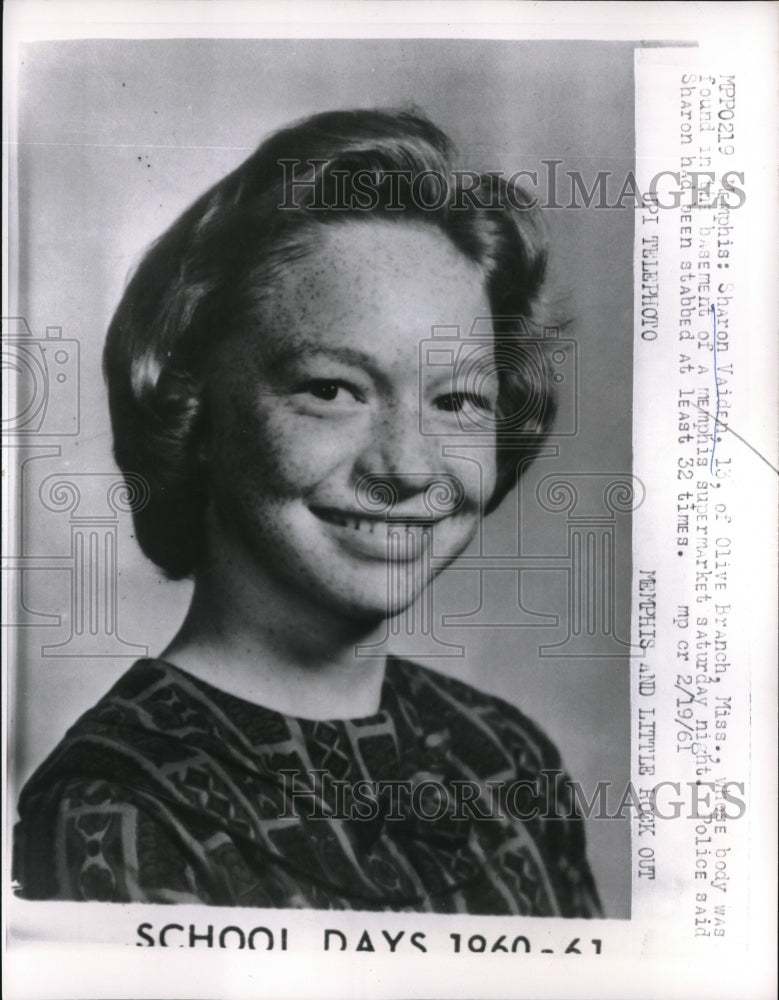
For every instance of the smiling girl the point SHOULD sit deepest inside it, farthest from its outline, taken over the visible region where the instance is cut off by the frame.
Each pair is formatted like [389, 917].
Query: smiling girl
[266, 379]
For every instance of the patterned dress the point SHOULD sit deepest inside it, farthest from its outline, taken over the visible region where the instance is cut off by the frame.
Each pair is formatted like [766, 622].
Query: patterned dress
[170, 790]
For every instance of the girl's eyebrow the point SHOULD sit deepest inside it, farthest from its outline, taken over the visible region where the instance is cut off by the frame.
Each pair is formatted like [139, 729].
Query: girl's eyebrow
[278, 359]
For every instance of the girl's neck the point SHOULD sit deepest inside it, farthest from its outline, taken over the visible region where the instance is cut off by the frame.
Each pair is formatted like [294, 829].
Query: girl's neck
[245, 635]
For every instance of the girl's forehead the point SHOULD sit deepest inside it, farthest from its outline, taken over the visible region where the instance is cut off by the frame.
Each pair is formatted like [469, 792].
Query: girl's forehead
[363, 274]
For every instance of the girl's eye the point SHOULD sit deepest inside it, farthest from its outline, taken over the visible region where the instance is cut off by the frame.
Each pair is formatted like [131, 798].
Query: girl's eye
[455, 402]
[324, 390]
[328, 390]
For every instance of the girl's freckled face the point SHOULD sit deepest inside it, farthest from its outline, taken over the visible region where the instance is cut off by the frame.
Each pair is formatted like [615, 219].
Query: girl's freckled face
[332, 386]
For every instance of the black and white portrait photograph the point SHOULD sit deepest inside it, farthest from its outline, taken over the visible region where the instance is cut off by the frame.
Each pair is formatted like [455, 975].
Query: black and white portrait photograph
[337, 580]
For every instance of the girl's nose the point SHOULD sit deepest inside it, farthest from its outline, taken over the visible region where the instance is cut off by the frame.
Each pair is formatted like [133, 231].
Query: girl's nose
[403, 470]
[402, 450]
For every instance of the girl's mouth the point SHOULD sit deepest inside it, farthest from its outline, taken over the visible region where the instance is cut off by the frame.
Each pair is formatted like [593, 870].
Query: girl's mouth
[376, 537]
[348, 519]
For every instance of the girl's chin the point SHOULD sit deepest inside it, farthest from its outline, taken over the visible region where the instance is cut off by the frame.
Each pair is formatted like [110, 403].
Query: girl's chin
[373, 607]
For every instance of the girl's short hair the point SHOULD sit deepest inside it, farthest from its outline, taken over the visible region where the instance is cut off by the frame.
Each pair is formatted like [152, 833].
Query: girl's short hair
[203, 278]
